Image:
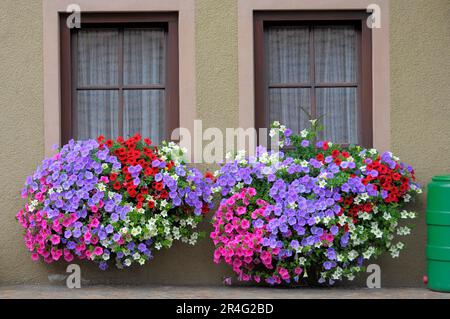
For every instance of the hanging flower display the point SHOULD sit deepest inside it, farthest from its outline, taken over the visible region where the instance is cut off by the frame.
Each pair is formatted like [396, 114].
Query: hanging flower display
[320, 210]
[112, 200]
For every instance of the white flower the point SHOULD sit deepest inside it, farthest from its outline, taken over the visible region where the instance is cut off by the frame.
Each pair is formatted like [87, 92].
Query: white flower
[136, 231]
[364, 196]
[136, 256]
[127, 262]
[387, 216]
[124, 230]
[350, 277]
[272, 132]
[403, 231]
[407, 198]
[304, 133]
[105, 166]
[304, 163]
[394, 252]
[158, 246]
[163, 203]
[101, 187]
[377, 232]
[352, 255]
[368, 253]
[364, 215]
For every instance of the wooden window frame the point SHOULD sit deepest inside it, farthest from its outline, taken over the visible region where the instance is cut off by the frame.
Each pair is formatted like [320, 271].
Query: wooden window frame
[311, 18]
[120, 20]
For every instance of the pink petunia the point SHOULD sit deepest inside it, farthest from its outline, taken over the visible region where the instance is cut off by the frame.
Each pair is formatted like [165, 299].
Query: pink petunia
[55, 239]
[245, 224]
[241, 210]
[98, 250]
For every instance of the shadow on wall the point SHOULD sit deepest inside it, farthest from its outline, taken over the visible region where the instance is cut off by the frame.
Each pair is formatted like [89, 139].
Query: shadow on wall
[193, 265]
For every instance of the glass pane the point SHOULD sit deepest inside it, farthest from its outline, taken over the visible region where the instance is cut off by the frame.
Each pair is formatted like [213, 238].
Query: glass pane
[144, 56]
[335, 50]
[339, 108]
[144, 113]
[284, 106]
[97, 113]
[287, 50]
[97, 57]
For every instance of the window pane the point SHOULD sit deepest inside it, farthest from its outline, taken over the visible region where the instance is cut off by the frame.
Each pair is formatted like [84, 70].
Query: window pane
[338, 106]
[97, 113]
[284, 106]
[335, 51]
[97, 58]
[144, 56]
[144, 113]
[287, 50]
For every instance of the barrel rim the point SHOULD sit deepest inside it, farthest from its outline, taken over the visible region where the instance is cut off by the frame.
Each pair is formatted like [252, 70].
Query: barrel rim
[441, 178]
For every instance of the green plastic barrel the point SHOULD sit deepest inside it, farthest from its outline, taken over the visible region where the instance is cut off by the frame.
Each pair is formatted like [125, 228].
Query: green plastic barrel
[438, 245]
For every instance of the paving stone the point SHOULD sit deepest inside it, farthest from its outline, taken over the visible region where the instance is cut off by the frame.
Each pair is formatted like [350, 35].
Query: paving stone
[194, 292]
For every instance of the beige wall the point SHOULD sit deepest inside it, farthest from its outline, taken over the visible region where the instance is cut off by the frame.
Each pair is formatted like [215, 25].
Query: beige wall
[420, 129]
[420, 110]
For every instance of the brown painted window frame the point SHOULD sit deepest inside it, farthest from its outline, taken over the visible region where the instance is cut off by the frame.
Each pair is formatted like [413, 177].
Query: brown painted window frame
[311, 18]
[120, 20]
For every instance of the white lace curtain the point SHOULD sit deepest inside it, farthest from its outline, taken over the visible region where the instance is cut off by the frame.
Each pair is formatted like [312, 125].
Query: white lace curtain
[289, 64]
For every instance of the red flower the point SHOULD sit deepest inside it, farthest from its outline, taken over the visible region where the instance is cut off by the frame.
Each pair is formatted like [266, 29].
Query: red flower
[131, 191]
[140, 197]
[164, 194]
[367, 207]
[157, 185]
[100, 138]
[151, 204]
[345, 154]
[116, 186]
[148, 171]
[325, 145]
[319, 157]
[109, 143]
[209, 175]
[205, 209]
[335, 153]
[113, 177]
[147, 141]
[119, 139]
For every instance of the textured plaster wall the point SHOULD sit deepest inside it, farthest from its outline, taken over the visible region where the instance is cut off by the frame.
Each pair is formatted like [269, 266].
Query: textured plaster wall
[420, 110]
[420, 114]
[21, 125]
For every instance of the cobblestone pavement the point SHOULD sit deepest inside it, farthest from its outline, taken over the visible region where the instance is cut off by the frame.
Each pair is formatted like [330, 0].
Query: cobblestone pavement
[161, 292]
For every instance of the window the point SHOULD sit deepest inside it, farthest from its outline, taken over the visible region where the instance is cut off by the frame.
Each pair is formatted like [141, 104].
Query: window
[119, 76]
[315, 63]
